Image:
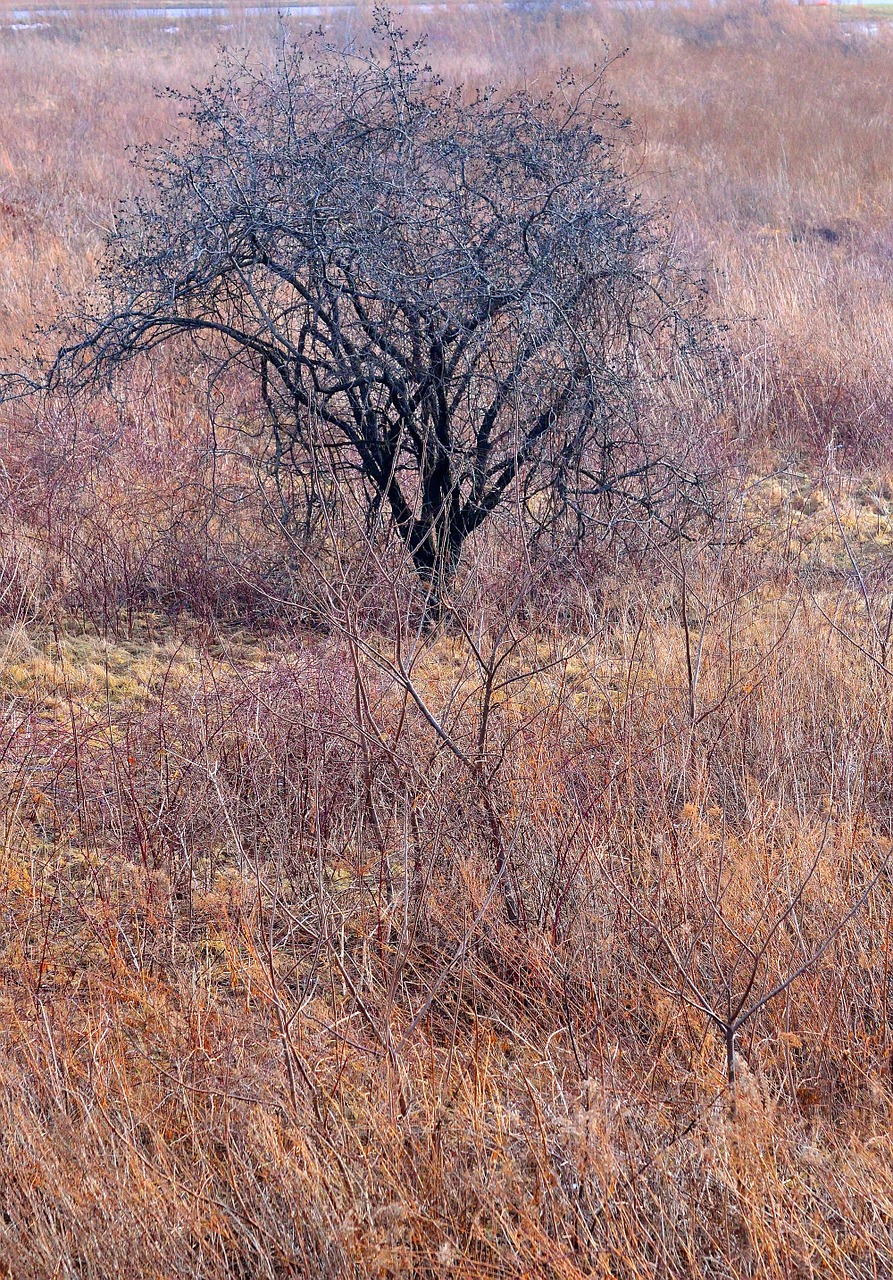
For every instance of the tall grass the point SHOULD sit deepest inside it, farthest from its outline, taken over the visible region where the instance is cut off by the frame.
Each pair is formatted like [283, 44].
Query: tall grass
[330, 948]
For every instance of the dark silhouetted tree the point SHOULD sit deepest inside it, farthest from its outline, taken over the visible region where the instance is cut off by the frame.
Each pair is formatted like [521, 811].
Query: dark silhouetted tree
[443, 301]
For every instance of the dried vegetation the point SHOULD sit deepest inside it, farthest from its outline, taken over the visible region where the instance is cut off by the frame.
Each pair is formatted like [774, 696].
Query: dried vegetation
[324, 955]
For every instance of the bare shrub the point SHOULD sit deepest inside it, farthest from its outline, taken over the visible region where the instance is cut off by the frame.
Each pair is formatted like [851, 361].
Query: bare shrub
[129, 509]
[459, 304]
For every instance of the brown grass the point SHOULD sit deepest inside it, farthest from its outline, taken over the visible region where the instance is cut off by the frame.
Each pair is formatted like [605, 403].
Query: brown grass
[263, 1012]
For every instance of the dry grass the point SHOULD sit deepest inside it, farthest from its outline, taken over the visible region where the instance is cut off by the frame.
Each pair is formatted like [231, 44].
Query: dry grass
[263, 1012]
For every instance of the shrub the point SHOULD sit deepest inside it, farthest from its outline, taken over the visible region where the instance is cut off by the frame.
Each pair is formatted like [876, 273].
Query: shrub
[416, 305]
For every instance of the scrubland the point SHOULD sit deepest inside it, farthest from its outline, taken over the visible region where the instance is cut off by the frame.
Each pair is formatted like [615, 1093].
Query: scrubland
[557, 943]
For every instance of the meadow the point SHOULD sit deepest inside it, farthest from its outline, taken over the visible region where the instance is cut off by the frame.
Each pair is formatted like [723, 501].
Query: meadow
[554, 944]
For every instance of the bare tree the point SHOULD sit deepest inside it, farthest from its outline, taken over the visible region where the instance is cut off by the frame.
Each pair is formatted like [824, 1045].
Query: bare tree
[449, 300]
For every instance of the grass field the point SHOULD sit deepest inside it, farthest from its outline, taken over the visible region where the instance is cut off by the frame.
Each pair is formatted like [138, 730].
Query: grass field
[264, 1012]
